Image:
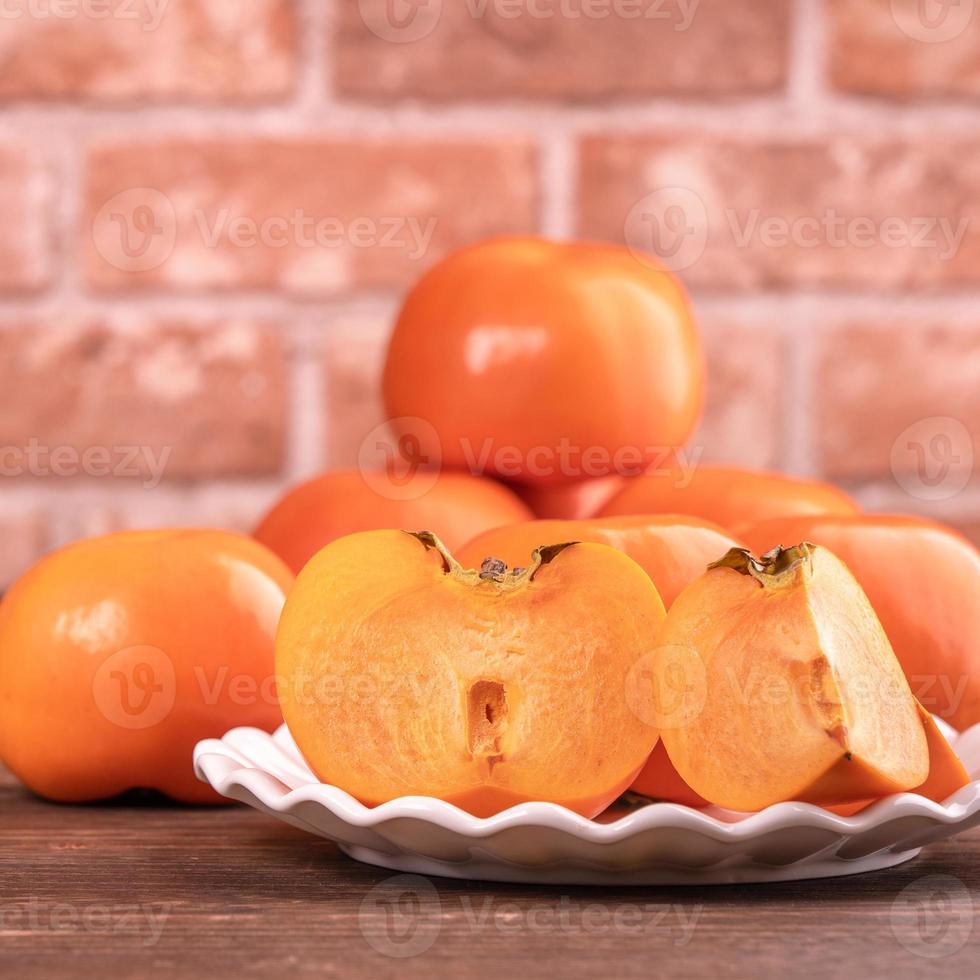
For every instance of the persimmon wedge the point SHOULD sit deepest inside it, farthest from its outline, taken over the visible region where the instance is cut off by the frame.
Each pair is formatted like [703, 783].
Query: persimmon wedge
[403, 673]
[730, 496]
[673, 549]
[923, 580]
[774, 681]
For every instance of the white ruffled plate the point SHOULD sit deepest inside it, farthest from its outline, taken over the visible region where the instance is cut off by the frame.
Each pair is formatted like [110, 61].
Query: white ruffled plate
[658, 843]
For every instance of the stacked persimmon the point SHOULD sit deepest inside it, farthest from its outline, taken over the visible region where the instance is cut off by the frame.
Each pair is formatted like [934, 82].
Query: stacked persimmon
[524, 592]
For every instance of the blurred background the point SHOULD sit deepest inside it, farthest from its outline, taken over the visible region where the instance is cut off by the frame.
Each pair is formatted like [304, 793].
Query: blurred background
[210, 209]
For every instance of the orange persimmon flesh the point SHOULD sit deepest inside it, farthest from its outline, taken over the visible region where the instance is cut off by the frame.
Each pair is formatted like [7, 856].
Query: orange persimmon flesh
[402, 673]
[673, 549]
[775, 681]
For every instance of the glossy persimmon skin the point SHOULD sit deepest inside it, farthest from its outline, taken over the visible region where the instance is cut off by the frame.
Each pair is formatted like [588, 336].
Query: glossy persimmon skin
[923, 580]
[673, 549]
[570, 501]
[453, 505]
[118, 654]
[384, 650]
[526, 347]
[732, 497]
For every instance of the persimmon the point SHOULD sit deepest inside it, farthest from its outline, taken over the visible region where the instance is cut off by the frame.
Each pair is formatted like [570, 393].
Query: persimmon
[774, 681]
[923, 580]
[314, 513]
[672, 549]
[660, 780]
[729, 496]
[403, 673]
[547, 362]
[570, 501]
[118, 654]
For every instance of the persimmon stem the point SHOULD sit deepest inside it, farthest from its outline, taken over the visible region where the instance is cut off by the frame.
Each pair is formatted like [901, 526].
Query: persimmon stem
[771, 569]
[493, 570]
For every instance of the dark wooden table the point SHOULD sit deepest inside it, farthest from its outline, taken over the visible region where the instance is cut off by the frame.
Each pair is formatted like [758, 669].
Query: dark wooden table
[139, 888]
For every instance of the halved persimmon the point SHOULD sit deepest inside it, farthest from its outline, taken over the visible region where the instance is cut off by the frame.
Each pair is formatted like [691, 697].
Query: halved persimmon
[402, 673]
[923, 580]
[673, 549]
[729, 496]
[774, 680]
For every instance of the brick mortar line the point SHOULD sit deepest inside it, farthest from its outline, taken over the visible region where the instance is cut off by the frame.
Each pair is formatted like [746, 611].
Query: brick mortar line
[806, 55]
[780, 118]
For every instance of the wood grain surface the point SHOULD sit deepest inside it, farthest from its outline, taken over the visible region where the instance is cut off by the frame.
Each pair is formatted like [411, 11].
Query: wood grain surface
[141, 888]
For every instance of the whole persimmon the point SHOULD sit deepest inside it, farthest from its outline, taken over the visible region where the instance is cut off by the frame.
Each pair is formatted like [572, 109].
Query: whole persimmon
[730, 496]
[774, 681]
[456, 505]
[570, 501]
[402, 673]
[547, 362]
[923, 579]
[118, 654]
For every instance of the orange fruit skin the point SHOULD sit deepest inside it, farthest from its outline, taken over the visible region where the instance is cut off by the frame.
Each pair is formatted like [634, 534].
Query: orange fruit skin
[386, 655]
[530, 345]
[570, 501]
[732, 497]
[118, 654]
[456, 506]
[923, 580]
[659, 780]
[673, 549]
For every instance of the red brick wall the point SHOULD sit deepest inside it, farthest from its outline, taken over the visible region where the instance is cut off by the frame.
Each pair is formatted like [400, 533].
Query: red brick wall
[821, 158]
